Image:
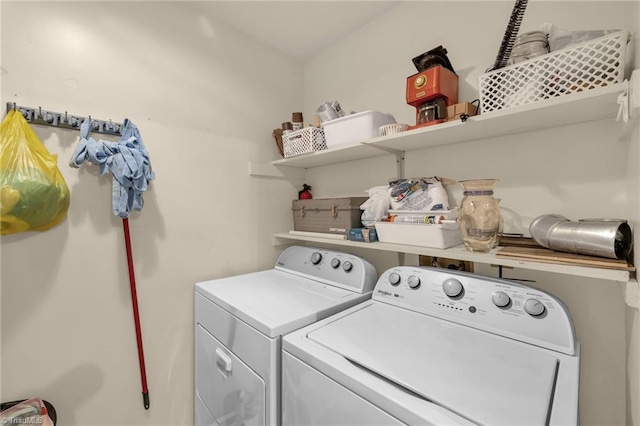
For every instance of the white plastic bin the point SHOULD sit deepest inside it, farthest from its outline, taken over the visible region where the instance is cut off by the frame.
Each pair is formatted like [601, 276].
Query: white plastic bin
[595, 63]
[303, 141]
[355, 128]
[417, 234]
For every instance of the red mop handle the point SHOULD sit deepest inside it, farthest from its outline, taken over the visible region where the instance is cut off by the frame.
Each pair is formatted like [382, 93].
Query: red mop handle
[136, 313]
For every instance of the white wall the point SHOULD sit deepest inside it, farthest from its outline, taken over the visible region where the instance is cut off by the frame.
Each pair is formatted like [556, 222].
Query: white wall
[205, 99]
[632, 314]
[579, 171]
[67, 332]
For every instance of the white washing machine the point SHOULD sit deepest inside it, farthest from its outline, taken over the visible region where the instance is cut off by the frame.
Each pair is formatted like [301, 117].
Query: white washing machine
[436, 347]
[240, 320]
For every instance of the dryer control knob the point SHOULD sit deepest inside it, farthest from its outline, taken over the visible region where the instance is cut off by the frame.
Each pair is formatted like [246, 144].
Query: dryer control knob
[452, 287]
[500, 299]
[316, 257]
[347, 266]
[413, 281]
[335, 262]
[534, 307]
[394, 278]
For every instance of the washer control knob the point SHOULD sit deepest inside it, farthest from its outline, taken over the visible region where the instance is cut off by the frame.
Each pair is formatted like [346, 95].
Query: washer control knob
[394, 278]
[413, 281]
[534, 307]
[452, 287]
[335, 262]
[347, 266]
[500, 299]
[316, 258]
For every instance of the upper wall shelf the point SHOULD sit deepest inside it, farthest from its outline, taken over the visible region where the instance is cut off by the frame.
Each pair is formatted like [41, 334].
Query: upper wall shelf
[594, 104]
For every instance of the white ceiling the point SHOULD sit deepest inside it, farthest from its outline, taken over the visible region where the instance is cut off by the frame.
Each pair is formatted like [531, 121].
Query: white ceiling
[298, 28]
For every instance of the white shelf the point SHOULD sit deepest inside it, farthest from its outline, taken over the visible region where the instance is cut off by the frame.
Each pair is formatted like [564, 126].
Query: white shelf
[590, 105]
[594, 104]
[459, 252]
[338, 154]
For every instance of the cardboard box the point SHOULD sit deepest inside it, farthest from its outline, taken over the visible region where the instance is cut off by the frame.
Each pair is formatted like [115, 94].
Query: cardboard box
[364, 235]
[327, 215]
[455, 111]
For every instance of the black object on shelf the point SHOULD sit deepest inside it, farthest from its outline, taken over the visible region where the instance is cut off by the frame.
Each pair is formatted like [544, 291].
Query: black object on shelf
[432, 58]
[510, 34]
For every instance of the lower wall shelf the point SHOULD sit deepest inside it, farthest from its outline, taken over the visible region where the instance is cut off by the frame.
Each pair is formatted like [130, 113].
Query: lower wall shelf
[459, 252]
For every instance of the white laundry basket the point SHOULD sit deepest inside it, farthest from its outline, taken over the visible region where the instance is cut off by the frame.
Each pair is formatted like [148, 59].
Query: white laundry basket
[595, 63]
[309, 139]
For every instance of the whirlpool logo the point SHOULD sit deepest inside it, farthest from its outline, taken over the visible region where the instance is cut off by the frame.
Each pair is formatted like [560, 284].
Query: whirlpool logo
[385, 293]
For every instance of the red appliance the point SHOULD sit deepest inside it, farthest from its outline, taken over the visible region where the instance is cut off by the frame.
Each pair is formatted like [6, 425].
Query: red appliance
[431, 91]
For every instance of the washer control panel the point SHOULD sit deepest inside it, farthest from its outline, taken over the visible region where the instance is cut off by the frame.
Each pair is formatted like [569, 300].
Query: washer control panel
[494, 305]
[331, 267]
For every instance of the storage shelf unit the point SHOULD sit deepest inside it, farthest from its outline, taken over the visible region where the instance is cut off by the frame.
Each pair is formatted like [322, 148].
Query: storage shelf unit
[595, 104]
[460, 252]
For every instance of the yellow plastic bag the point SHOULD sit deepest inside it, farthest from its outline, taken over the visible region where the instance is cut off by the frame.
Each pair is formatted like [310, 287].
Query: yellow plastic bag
[33, 193]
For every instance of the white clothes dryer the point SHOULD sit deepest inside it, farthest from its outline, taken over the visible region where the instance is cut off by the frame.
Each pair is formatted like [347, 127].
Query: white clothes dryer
[240, 320]
[436, 347]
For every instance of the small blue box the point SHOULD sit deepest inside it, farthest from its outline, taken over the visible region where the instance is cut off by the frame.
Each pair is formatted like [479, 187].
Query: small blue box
[364, 235]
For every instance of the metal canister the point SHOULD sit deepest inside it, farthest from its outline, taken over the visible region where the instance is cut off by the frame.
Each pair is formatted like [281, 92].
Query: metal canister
[329, 110]
[611, 238]
[529, 45]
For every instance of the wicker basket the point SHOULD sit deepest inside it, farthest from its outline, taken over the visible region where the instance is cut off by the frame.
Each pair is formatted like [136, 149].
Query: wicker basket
[309, 139]
[595, 63]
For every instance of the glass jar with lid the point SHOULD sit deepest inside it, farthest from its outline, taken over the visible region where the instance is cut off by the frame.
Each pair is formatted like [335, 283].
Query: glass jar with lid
[479, 216]
[529, 45]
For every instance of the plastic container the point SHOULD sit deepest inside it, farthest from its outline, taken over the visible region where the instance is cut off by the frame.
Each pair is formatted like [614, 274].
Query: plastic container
[416, 234]
[303, 141]
[595, 63]
[355, 128]
[296, 121]
[392, 129]
[448, 214]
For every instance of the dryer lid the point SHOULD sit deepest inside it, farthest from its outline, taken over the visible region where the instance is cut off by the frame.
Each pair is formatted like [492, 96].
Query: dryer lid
[276, 302]
[483, 377]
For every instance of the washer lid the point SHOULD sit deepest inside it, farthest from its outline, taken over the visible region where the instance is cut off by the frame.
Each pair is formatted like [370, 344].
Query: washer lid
[483, 377]
[276, 302]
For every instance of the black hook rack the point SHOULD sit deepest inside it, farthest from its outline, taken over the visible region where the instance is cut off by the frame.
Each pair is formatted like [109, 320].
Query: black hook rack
[66, 120]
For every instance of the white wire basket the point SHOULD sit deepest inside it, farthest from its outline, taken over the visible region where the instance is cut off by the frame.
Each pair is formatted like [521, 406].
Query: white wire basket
[309, 139]
[595, 63]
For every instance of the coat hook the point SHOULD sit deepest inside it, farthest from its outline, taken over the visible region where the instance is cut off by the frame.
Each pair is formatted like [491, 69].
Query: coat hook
[49, 118]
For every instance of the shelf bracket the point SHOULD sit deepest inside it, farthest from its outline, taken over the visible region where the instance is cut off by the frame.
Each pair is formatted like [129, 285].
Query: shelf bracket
[399, 159]
[634, 92]
[275, 172]
[629, 105]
